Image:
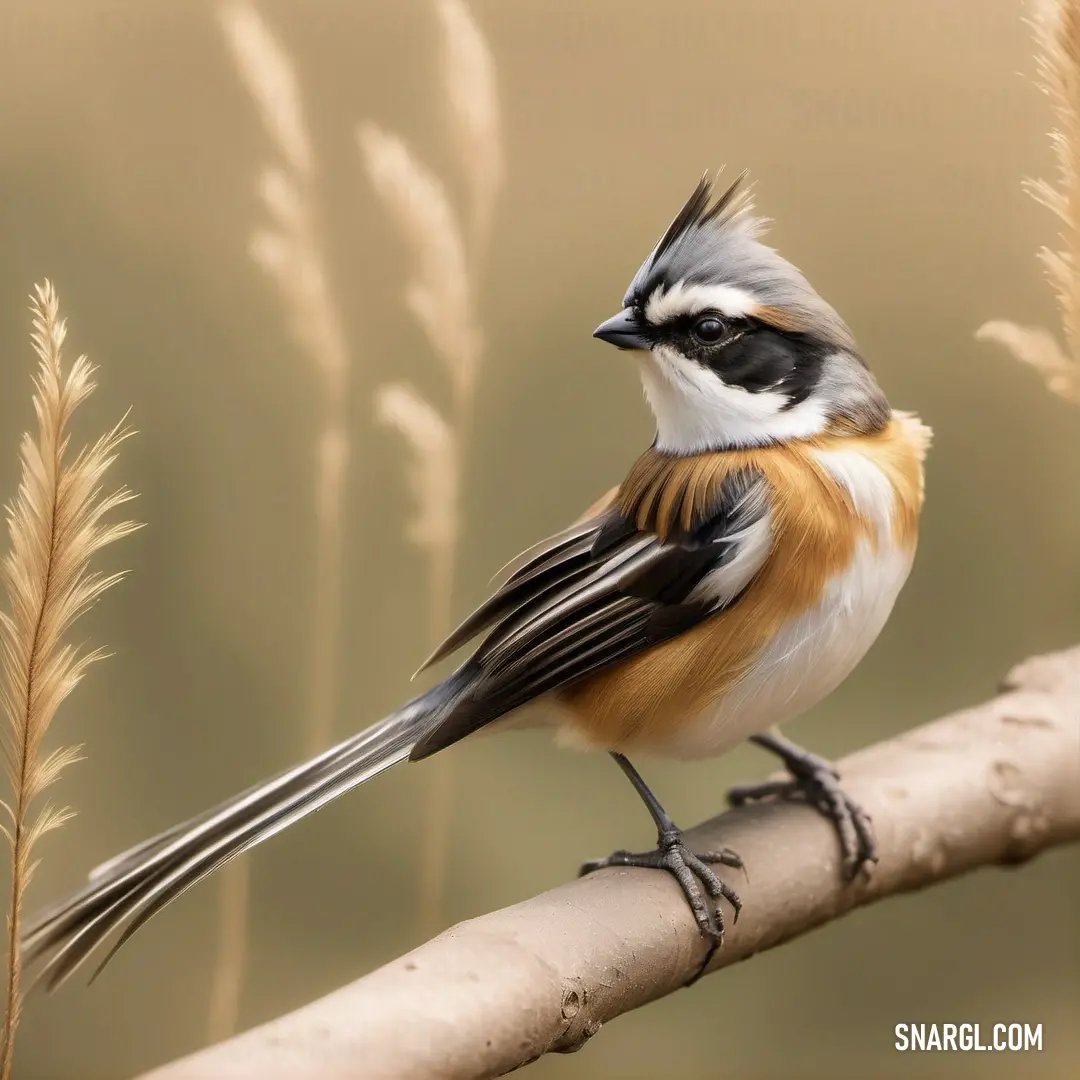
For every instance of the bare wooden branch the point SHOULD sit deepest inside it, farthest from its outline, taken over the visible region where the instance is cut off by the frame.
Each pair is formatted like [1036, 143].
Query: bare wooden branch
[993, 784]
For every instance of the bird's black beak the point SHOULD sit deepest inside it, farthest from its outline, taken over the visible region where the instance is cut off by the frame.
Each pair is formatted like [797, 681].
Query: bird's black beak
[623, 330]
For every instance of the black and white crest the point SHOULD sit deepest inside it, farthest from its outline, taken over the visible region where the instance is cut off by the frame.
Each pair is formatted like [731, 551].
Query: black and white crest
[701, 209]
[714, 241]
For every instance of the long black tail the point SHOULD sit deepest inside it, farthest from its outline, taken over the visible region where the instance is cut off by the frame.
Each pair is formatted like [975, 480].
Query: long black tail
[131, 888]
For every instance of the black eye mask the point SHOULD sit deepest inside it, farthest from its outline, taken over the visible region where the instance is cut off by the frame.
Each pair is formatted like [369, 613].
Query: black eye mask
[752, 355]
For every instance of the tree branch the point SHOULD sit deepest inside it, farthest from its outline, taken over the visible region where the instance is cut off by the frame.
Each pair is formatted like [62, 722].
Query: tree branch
[993, 784]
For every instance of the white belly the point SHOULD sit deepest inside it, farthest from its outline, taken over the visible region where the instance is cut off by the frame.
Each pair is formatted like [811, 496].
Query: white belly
[807, 660]
[814, 653]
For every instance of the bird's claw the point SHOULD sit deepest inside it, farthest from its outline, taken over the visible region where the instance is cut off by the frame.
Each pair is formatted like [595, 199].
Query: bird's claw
[817, 782]
[698, 881]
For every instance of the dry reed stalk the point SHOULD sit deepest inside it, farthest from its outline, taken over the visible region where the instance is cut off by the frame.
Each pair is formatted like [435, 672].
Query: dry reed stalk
[434, 477]
[441, 296]
[1056, 26]
[56, 524]
[472, 97]
[230, 963]
[289, 249]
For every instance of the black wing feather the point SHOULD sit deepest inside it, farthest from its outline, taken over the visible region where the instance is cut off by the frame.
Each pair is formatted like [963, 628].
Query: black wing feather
[555, 569]
[581, 605]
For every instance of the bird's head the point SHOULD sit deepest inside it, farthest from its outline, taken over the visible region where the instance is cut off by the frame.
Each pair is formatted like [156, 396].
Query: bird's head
[735, 346]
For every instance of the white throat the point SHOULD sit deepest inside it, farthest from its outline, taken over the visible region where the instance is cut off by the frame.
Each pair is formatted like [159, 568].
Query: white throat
[695, 411]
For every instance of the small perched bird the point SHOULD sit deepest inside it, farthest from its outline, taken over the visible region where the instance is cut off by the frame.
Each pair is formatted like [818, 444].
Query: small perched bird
[733, 579]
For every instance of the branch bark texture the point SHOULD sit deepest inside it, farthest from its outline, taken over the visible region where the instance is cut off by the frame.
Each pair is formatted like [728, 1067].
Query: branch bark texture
[992, 784]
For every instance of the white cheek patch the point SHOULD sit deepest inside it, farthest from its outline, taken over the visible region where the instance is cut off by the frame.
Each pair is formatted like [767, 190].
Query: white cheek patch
[683, 299]
[696, 410]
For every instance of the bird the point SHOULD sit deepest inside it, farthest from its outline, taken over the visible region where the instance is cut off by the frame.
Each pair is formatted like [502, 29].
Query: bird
[733, 579]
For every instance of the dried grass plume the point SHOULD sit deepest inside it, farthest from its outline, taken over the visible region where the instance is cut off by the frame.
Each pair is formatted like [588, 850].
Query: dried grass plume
[268, 72]
[472, 98]
[1056, 26]
[440, 293]
[434, 480]
[56, 524]
[449, 249]
[289, 249]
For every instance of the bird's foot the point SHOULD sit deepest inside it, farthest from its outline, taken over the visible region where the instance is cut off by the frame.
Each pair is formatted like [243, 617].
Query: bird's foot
[817, 782]
[698, 881]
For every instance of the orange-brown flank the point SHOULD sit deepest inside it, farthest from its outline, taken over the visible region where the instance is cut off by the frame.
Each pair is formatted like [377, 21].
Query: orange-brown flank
[815, 528]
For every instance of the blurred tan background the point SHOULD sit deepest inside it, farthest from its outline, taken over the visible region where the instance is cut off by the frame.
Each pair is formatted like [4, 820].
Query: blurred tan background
[888, 142]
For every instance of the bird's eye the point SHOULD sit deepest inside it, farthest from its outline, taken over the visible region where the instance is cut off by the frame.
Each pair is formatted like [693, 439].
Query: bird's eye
[709, 329]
